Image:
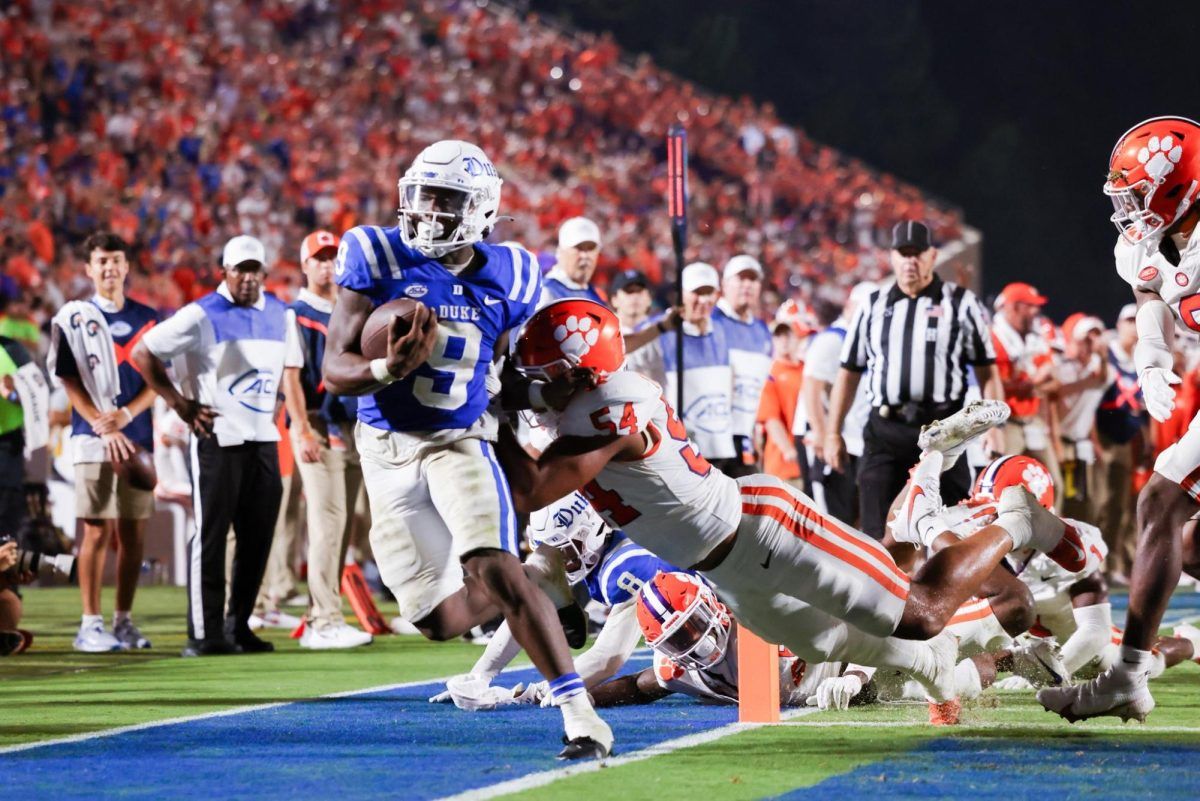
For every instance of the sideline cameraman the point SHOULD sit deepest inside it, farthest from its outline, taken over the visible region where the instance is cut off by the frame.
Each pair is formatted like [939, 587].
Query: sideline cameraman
[12, 639]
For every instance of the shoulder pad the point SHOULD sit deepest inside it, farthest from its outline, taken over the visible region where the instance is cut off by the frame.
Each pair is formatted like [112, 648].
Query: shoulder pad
[624, 404]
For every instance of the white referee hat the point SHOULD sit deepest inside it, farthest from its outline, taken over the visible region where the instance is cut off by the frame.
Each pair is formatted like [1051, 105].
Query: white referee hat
[243, 248]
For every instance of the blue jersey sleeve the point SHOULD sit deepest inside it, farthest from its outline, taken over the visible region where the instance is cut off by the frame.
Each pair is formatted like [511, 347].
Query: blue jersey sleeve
[622, 576]
[353, 268]
[527, 286]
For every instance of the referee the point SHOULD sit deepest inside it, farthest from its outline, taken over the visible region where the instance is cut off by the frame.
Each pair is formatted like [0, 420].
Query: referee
[228, 350]
[914, 338]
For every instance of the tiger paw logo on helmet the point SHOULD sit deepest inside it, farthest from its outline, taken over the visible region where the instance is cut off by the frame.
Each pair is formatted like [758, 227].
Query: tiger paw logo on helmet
[576, 335]
[1036, 479]
[1160, 156]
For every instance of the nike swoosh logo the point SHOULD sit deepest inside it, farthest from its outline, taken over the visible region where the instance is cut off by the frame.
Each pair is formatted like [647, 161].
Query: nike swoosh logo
[1078, 556]
[1056, 678]
[912, 499]
[491, 301]
[766, 563]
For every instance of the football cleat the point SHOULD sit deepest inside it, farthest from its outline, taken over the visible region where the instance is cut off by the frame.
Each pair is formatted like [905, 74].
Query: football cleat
[922, 503]
[951, 435]
[332, 638]
[1039, 664]
[1114, 692]
[582, 748]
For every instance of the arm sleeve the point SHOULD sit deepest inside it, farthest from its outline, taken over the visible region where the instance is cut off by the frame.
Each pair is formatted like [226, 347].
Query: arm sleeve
[1093, 629]
[854, 349]
[357, 262]
[612, 647]
[501, 649]
[182, 332]
[977, 334]
[293, 352]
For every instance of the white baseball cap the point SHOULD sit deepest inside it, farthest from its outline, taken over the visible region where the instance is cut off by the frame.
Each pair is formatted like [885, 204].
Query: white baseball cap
[243, 248]
[740, 264]
[576, 231]
[698, 275]
[1128, 312]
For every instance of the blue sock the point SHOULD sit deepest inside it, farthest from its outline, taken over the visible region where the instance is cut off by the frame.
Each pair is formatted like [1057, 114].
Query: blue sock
[565, 687]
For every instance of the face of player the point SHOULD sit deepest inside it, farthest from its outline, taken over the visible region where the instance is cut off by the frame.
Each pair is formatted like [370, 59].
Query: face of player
[433, 210]
[318, 270]
[579, 262]
[245, 282]
[632, 302]
[913, 268]
[742, 291]
[698, 306]
[107, 269]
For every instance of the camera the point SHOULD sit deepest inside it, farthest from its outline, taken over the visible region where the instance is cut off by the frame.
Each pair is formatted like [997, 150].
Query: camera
[42, 565]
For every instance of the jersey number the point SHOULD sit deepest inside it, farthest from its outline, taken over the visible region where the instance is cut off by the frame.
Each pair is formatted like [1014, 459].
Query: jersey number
[603, 421]
[610, 504]
[453, 361]
[695, 461]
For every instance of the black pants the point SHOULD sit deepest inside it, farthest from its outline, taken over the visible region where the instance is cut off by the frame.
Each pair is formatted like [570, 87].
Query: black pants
[840, 490]
[240, 486]
[890, 450]
[736, 467]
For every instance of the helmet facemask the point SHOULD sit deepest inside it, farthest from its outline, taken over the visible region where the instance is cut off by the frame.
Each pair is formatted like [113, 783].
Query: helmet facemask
[437, 219]
[572, 528]
[697, 637]
[1131, 209]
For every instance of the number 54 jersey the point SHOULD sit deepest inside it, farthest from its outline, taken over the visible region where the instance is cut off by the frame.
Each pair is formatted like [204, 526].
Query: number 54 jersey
[474, 309]
[671, 501]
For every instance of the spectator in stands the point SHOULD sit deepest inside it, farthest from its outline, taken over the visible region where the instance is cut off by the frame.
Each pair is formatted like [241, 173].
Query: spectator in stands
[1123, 434]
[629, 294]
[106, 434]
[1082, 374]
[578, 253]
[322, 434]
[836, 491]
[749, 342]
[1027, 372]
[228, 349]
[707, 376]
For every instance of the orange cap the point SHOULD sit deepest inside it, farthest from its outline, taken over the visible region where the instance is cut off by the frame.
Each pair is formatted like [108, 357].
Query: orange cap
[1079, 325]
[316, 242]
[1022, 293]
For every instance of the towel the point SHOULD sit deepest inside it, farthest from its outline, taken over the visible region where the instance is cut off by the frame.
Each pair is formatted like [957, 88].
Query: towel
[81, 325]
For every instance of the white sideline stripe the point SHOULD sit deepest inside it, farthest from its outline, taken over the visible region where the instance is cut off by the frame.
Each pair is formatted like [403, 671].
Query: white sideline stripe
[659, 749]
[966, 729]
[151, 724]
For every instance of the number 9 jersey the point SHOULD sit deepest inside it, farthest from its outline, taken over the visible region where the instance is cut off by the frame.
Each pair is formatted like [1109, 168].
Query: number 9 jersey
[671, 501]
[474, 309]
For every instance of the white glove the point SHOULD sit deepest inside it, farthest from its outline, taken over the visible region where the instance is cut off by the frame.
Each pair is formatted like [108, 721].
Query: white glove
[1158, 391]
[836, 693]
[1013, 683]
[474, 694]
[535, 694]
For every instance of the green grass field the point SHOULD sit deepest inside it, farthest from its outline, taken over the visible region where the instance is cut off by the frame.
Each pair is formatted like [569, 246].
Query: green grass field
[53, 692]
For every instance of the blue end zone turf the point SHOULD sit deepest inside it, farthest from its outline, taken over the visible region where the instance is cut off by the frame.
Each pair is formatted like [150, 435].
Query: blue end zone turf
[1184, 606]
[391, 744]
[1006, 769]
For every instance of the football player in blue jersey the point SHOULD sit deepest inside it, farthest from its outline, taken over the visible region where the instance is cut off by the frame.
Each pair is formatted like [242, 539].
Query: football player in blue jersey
[440, 503]
[572, 539]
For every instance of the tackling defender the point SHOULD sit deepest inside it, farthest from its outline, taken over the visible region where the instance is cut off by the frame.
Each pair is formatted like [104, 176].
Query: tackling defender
[440, 504]
[1153, 180]
[787, 572]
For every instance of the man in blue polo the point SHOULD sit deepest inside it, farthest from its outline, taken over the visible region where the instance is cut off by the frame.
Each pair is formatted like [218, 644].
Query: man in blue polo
[229, 350]
[578, 254]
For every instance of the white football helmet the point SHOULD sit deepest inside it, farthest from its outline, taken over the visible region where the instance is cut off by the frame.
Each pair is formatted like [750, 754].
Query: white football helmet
[449, 197]
[571, 525]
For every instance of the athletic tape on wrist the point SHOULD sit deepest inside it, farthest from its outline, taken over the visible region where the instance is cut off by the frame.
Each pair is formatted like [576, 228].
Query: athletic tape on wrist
[381, 373]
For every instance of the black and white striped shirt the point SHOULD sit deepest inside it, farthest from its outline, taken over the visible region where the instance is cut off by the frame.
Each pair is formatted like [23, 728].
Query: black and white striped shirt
[918, 349]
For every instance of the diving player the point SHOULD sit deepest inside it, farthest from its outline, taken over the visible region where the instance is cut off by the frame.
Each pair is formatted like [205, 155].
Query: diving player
[440, 503]
[790, 574]
[579, 543]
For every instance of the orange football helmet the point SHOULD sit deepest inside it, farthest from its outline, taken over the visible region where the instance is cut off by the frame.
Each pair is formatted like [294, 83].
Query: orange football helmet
[1153, 175]
[571, 332]
[681, 618]
[1008, 471]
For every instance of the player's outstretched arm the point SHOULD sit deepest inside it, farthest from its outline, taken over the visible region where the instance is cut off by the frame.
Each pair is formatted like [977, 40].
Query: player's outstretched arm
[637, 688]
[568, 464]
[347, 372]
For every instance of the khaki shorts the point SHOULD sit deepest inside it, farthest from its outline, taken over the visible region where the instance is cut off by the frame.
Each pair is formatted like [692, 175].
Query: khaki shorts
[100, 496]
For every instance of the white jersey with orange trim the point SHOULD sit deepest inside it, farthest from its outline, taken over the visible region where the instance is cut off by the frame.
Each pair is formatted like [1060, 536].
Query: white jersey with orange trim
[671, 501]
[1144, 267]
[719, 684]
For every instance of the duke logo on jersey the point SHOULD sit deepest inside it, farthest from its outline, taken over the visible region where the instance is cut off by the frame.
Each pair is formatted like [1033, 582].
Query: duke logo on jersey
[474, 310]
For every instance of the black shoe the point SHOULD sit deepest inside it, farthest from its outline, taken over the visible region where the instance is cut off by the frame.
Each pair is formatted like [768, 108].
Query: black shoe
[211, 646]
[251, 643]
[582, 748]
[574, 624]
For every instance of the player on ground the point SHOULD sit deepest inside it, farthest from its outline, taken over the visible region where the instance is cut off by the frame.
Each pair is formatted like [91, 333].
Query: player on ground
[791, 575]
[577, 542]
[1153, 180]
[440, 504]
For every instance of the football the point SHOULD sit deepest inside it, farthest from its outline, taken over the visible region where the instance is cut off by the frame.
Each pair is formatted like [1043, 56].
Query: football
[374, 338]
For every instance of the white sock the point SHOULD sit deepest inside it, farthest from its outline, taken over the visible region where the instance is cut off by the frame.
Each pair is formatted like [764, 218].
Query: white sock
[91, 620]
[119, 618]
[1093, 631]
[967, 680]
[1134, 661]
